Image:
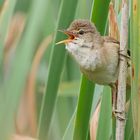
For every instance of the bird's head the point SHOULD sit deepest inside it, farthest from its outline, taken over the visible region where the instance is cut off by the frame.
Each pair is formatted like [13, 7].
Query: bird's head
[83, 40]
[81, 33]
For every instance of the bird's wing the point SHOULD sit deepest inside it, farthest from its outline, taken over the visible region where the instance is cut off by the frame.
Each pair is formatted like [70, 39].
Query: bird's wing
[110, 39]
[130, 66]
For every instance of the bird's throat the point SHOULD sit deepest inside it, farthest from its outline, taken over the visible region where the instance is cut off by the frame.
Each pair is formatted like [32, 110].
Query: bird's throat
[86, 58]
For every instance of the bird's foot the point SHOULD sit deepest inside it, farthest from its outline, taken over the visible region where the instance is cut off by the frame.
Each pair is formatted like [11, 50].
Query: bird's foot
[123, 55]
[119, 114]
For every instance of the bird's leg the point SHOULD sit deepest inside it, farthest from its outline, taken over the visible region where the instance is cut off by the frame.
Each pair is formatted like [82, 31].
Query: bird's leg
[116, 113]
[121, 54]
[114, 96]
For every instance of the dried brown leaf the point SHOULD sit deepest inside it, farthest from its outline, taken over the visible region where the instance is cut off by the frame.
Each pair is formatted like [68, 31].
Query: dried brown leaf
[28, 100]
[19, 137]
[94, 123]
[113, 26]
[15, 30]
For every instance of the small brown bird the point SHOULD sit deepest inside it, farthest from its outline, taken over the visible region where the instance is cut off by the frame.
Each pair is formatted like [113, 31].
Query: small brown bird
[97, 56]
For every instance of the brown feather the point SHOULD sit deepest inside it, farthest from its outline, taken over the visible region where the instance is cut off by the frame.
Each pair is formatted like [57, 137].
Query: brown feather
[110, 39]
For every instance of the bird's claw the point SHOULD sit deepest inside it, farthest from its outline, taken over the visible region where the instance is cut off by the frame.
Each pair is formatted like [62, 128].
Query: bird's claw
[124, 55]
[119, 115]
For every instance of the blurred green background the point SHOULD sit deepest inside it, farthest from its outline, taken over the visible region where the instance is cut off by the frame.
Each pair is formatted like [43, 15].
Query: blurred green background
[42, 92]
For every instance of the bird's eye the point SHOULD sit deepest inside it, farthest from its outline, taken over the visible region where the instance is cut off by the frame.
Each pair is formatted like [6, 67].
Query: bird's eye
[81, 32]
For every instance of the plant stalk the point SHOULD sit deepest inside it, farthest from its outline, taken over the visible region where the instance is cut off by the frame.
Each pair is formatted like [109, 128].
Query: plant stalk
[121, 98]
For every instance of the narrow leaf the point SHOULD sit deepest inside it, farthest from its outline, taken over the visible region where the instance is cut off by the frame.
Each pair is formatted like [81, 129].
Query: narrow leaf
[58, 56]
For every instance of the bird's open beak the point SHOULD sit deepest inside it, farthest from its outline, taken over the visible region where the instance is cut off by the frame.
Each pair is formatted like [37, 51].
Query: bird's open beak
[70, 35]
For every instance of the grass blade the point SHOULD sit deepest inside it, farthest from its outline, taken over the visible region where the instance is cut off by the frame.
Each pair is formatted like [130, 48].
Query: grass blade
[100, 9]
[135, 49]
[86, 92]
[6, 14]
[55, 69]
[129, 130]
[70, 128]
[105, 118]
[84, 109]
[15, 84]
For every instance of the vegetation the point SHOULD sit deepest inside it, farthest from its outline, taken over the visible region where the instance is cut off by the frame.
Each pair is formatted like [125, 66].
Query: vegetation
[43, 94]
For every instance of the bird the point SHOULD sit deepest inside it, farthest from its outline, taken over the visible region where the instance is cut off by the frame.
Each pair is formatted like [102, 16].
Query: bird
[97, 56]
